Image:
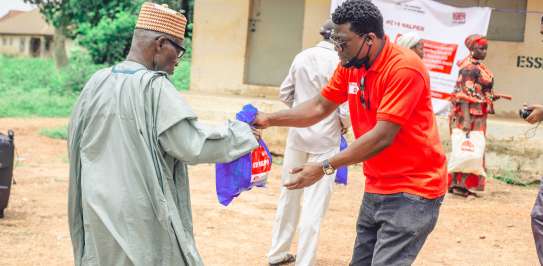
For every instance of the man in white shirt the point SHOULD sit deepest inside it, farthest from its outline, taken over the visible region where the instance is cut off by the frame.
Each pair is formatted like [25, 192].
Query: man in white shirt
[310, 71]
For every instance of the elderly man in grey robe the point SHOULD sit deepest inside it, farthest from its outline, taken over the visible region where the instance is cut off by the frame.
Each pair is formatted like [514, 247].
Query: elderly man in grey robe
[131, 136]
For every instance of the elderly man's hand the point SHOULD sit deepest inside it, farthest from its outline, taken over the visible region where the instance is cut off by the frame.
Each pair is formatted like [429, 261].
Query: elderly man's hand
[536, 115]
[257, 133]
[261, 121]
[305, 176]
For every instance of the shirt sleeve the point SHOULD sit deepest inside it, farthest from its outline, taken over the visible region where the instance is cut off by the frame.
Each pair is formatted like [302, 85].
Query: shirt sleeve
[336, 89]
[401, 96]
[286, 90]
[344, 117]
[193, 142]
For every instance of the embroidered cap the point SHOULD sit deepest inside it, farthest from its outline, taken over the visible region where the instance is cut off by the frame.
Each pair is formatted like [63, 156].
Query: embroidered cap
[160, 18]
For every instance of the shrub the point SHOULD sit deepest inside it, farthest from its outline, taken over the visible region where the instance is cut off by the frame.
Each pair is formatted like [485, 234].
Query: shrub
[109, 41]
[75, 75]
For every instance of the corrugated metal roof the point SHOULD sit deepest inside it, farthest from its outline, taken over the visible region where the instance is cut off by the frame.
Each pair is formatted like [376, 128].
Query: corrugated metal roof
[26, 23]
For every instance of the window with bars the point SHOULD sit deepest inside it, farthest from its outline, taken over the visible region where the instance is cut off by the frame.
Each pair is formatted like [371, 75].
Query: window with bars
[508, 19]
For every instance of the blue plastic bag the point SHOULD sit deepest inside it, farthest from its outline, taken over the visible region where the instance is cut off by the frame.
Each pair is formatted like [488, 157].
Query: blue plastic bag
[341, 173]
[235, 177]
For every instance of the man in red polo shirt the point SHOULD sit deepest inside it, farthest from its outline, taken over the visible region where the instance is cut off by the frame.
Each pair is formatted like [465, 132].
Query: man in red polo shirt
[388, 91]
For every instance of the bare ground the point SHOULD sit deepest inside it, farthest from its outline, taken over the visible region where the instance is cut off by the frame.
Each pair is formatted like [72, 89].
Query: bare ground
[492, 230]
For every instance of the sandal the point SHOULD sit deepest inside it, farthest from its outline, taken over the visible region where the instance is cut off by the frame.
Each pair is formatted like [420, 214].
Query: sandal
[288, 259]
[461, 191]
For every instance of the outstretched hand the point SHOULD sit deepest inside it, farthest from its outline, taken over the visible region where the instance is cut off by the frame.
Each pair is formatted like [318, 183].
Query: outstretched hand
[261, 121]
[305, 176]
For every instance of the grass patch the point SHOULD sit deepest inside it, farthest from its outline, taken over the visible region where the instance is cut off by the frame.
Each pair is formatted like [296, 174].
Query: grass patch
[32, 87]
[55, 133]
[511, 178]
[27, 88]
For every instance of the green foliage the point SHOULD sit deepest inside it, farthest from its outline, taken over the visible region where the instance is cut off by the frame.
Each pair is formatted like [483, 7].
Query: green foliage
[27, 88]
[104, 27]
[181, 75]
[512, 178]
[74, 76]
[68, 15]
[23, 74]
[55, 133]
[36, 103]
[34, 87]
[109, 41]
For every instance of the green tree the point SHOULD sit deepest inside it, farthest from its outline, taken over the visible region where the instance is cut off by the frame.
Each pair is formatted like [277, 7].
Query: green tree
[104, 27]
[109, 40]
[67, 15]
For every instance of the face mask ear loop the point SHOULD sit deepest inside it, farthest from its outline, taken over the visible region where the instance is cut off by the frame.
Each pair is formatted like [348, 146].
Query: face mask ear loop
[367, 61]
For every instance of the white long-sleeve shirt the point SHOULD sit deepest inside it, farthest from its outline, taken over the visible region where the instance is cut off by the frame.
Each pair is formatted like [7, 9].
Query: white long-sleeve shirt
[310, 71]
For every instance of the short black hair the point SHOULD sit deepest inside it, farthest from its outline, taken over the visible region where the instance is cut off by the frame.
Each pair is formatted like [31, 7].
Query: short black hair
[363, 15]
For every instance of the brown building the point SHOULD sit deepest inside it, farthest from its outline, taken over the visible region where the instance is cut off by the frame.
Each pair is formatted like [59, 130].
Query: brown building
[25, 33]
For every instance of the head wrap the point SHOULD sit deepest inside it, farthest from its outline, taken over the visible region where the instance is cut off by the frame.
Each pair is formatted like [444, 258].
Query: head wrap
[408, 40]
[160, 18]
[474, 39]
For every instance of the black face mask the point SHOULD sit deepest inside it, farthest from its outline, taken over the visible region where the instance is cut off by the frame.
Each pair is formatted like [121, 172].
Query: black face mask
[358, 63]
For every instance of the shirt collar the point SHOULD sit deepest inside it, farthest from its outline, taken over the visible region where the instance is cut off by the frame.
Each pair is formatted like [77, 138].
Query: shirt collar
[326, 45]
[128, 67]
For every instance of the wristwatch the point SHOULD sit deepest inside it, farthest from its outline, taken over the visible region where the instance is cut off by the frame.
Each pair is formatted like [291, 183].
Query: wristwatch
[327, 168]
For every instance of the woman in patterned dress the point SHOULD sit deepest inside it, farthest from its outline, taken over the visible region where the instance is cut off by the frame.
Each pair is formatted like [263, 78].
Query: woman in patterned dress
[472, 101]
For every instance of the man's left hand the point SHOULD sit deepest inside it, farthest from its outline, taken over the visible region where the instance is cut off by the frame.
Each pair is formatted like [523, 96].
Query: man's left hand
[305, 176]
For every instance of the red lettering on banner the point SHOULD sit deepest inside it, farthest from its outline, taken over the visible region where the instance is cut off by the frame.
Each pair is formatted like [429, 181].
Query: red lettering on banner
[398, 24]
[439, 57]
[459, 17]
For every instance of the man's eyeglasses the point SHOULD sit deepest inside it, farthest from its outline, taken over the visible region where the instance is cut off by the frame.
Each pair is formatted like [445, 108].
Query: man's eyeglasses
[337, 42]
[178, 47]
[341, 44]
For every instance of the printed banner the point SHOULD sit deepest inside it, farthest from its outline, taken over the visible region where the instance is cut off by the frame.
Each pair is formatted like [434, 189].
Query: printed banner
[443, 29]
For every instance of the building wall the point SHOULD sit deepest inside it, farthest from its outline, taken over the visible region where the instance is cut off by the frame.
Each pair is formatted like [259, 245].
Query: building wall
[219, 49]
[218, 46]
[220, 41]
[316, 12]
[524, 83]
[12, 45]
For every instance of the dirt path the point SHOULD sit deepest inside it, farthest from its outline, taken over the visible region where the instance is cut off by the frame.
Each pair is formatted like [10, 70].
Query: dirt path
[492, 230]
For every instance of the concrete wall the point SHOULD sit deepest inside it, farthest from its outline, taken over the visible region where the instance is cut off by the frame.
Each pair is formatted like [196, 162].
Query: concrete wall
[316, 12]
[220, 41]
[219, 44]
[524, 83]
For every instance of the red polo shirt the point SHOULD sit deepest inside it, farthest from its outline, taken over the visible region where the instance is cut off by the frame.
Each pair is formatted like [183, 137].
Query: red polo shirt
[396, 88]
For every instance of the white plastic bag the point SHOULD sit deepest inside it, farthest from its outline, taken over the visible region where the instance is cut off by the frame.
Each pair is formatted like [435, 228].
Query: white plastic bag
[467, 152]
